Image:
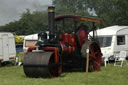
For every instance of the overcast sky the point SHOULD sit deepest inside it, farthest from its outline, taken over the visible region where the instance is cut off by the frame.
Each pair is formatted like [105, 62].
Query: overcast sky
[11, 10]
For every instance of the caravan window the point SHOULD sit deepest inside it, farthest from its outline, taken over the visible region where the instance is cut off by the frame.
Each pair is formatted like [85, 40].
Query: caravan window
[105, 41]
[121, 40]
[30, 43]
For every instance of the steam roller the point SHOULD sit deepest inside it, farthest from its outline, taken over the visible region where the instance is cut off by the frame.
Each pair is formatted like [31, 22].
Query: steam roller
[63, 47]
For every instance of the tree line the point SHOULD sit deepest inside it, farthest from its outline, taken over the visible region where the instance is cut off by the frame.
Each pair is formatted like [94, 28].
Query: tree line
[111, 12]
[29, 23]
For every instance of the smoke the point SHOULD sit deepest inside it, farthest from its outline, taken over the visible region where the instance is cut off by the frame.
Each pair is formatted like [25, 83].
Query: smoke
[11, 10]
[92, 11]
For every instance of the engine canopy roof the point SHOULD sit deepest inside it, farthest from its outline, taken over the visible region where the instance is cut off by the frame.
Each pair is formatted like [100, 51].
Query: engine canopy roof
[58, 18]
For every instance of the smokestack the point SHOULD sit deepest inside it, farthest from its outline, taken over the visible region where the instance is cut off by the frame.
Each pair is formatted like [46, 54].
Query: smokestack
[51, 22]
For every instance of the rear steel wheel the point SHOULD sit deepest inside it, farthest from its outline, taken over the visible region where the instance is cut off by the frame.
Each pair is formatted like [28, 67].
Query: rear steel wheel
[94, 56]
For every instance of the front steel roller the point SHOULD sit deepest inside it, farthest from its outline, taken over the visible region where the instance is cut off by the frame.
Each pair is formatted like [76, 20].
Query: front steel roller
[41, 64]
[94, 55]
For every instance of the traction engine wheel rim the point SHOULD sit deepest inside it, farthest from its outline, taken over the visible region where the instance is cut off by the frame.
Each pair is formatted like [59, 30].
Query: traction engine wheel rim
[94, 57]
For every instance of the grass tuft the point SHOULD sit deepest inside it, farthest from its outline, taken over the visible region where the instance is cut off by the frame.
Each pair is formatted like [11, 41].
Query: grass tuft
[111, 75]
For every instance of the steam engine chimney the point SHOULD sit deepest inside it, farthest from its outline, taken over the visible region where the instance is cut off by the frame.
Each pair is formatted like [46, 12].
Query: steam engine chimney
[51, 22]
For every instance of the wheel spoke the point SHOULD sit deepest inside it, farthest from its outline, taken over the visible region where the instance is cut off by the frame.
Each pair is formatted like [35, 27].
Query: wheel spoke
[95, 57]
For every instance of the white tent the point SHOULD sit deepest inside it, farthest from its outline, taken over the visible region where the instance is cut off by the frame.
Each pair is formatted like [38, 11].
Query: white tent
[29, 41]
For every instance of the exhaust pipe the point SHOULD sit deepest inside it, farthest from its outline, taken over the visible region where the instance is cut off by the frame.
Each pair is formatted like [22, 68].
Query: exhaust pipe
[51, 22]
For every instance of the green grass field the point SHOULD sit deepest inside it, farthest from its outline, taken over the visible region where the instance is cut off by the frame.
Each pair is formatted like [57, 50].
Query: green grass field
[111, 75]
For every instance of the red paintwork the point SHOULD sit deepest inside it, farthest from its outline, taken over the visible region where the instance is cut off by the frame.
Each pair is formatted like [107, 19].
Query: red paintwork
[68, 43]
[54, 49]
[30, 49]
[82, 36]
[95, 56]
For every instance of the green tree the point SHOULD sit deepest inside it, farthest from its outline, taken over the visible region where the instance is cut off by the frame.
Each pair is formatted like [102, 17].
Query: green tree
[28, 24]
[111, 12]
[78, 7]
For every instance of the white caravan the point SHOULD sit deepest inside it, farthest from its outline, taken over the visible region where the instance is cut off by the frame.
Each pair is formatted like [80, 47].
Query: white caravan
[29, 41]
[7, 47]
[112, 40]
